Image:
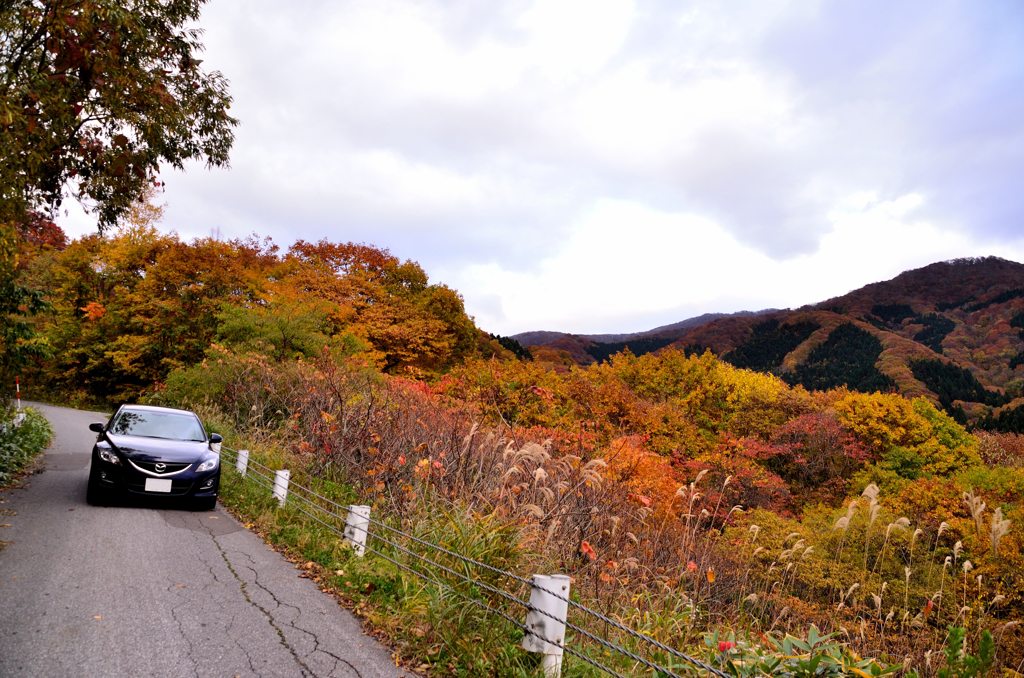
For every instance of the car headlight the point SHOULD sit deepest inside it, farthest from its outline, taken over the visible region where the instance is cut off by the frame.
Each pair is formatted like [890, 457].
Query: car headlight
[108, 456]
[208, 465]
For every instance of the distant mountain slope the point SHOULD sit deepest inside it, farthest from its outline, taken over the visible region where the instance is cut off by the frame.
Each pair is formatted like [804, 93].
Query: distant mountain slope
[537, 338]
[676, 330]
[952, 331]
[702, 320]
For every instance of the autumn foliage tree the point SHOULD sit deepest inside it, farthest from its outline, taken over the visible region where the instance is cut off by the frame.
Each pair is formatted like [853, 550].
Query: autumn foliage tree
[133, 304]
[387, 303]
[95, 96]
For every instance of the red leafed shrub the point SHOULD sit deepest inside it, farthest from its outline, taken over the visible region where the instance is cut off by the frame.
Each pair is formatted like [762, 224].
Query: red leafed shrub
[1001, 449]
[812, 457]
[816, 455]
[735, 477]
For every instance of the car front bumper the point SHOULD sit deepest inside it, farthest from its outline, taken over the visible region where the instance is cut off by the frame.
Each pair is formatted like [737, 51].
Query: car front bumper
[128, 480]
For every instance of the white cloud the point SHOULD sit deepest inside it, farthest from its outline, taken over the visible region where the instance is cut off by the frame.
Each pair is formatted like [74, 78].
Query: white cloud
[591, 287]
[526, 151]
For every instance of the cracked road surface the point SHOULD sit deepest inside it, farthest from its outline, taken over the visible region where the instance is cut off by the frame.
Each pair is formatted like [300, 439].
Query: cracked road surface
[150, 590]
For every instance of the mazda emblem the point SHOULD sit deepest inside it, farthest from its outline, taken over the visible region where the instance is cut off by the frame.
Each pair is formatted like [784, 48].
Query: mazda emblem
[160, 468]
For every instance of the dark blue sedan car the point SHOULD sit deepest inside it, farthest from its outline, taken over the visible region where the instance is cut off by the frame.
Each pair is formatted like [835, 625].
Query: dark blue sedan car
[154, 452]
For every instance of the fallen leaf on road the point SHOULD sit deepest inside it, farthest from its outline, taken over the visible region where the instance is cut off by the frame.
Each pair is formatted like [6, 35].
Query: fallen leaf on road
[213, 517]
[71, 509]
[5, 525]
[180, 586]
[99, 616]
[309, 565]
[14, 577]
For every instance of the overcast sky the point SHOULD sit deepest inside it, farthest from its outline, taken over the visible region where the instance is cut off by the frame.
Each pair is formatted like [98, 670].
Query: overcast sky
[610, 165]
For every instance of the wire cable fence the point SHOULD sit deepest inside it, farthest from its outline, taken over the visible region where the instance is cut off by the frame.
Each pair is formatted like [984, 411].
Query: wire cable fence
[311, 504]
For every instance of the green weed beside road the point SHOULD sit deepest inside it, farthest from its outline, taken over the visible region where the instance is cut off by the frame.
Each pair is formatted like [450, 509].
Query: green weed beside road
[20, 445]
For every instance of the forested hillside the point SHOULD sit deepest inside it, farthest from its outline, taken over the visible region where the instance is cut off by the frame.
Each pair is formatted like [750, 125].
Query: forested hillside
[587, 348]
[128, 308]
[952, 332]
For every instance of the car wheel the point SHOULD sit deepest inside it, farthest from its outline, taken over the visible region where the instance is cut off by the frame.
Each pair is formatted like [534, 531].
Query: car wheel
[205, 504]
[94, 494]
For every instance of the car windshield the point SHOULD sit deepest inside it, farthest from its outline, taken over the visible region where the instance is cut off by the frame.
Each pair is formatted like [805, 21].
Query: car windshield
[148, 424]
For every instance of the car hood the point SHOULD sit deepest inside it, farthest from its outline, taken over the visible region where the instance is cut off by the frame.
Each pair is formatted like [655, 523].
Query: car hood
[159, 449]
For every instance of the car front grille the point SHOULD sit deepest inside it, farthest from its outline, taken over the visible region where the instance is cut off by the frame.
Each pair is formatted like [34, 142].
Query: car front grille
[150, 467]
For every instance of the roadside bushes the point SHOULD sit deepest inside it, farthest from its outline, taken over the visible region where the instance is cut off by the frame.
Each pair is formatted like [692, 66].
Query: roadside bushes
[248, 388]
[19, 445]
[681, 493]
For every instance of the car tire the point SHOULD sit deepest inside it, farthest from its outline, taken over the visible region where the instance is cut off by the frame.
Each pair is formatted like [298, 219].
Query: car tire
[95, 495]
[205, 504]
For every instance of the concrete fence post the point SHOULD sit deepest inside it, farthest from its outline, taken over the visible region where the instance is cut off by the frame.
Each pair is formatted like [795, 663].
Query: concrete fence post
[242, 463]
[281, 485]
[357, 523]
[546, 635]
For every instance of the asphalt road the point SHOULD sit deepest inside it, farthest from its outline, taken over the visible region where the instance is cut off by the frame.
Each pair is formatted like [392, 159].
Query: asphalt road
[152, 591]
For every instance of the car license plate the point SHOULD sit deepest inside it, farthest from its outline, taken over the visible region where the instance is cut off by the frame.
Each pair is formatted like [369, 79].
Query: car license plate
[158, 484]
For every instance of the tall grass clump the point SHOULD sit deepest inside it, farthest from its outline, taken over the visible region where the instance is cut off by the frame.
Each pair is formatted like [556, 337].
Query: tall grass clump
[20, 445]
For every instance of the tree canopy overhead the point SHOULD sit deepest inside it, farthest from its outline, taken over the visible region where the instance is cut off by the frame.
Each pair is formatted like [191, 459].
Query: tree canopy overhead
[95, 95]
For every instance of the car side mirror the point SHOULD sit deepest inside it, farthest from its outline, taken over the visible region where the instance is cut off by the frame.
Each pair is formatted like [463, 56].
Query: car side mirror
[216, 438]
[96, 428]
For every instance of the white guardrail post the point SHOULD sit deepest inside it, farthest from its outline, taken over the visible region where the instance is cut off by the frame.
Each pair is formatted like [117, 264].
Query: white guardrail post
[547, 635]
[281, 485]
[242, 462]
[356, 525]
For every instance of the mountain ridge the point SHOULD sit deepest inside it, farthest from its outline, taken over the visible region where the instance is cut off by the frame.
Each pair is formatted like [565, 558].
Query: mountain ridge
[951, 331]
[541, 337]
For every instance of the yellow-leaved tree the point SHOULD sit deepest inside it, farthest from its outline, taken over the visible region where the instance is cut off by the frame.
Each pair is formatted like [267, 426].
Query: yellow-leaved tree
[909, 437]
